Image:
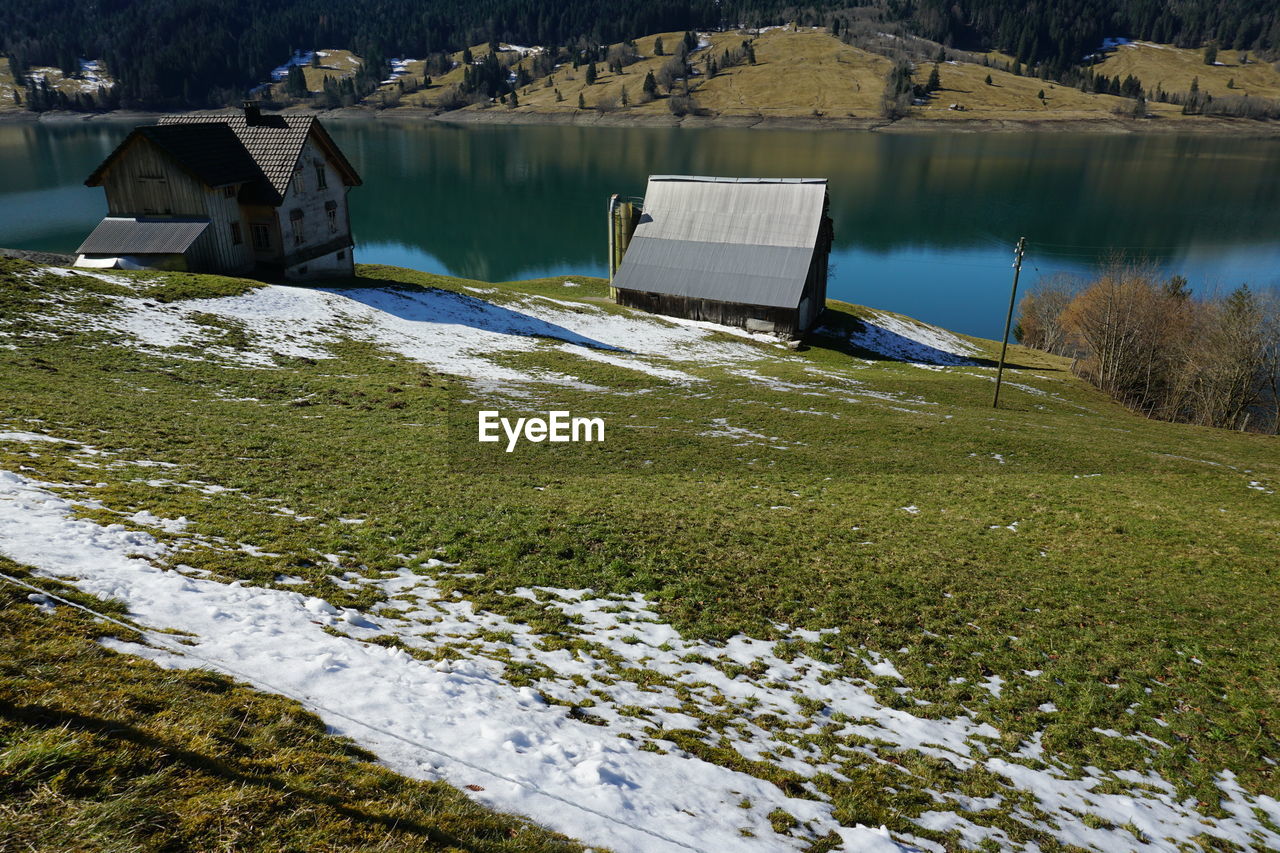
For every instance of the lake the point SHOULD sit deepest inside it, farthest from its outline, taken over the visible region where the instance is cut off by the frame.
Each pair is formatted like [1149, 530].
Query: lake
[924, 224]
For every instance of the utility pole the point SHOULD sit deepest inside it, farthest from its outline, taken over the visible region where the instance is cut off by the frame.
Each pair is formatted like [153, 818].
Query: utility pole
[1008, 320]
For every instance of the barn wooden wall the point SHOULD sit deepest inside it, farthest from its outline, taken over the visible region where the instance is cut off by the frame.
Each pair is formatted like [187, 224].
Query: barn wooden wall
[785, 320]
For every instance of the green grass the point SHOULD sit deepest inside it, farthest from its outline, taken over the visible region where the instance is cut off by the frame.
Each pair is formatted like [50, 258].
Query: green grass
[1128, 561]
[100, 751]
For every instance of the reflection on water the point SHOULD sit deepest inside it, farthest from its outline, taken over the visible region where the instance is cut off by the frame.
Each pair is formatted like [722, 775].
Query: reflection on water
[925, 224]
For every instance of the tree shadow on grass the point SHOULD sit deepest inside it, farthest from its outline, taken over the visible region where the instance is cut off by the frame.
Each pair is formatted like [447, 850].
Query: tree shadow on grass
[433, 305]
[846, 333]
[49, 718]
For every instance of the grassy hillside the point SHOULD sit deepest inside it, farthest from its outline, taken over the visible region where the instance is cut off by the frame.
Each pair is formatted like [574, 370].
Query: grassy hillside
[100, 751]
[844, 578]
[7, 86]
[1174, 69]
[808, 73]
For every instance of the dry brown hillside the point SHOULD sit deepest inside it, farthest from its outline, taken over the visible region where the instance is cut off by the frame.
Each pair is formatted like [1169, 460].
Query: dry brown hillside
[808, 73]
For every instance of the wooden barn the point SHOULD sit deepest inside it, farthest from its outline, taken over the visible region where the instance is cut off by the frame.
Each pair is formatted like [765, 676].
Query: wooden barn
[749, 252]
[239, 194]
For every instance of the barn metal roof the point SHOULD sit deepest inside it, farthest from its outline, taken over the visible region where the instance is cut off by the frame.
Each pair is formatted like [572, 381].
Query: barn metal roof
[119, 235]
[745, 240]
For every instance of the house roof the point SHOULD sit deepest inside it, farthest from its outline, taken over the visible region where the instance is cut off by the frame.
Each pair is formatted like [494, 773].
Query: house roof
[274, 142]
[224, 148]
[745, 240]
[119, 235]
[213, 155]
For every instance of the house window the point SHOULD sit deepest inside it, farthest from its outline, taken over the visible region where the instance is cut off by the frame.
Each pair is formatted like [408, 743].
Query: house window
[261, 237]
[236, 237]
[229, 192]
[295, 222]
[321, 181]
[331, 212]
[299, 185]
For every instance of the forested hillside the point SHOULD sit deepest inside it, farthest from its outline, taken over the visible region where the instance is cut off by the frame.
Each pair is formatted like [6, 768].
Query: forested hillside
[174, 53]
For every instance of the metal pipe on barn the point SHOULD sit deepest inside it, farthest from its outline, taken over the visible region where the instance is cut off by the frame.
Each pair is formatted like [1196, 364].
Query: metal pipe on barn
[613, 231]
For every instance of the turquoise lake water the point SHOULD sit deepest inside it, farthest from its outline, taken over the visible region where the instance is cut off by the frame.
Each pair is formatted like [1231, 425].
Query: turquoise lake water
[924, 224]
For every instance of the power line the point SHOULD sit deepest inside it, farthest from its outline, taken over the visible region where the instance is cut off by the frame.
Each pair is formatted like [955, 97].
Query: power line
[187, 652]
[1109, 246]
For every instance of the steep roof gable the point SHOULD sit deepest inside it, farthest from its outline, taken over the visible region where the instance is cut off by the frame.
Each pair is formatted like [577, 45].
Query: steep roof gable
[275, 143]
[212, 155]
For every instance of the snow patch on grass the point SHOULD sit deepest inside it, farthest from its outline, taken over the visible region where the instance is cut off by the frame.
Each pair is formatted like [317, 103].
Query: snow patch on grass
[903, 339]
[452, 333]
[597, 716]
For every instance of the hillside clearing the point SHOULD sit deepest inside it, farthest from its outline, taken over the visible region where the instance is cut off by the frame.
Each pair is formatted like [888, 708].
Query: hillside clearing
[799, 595]
[808, 73]
[8, 86]
[1174, 68]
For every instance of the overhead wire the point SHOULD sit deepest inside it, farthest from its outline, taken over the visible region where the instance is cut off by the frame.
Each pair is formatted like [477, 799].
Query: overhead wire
[186, 651]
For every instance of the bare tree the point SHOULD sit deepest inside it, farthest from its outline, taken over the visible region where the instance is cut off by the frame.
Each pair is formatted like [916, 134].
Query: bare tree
[1041, 310]
[1148, 343]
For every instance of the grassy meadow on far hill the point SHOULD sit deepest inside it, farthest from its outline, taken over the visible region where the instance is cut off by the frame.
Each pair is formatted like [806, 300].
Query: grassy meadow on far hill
[807, 73]
[835, 585]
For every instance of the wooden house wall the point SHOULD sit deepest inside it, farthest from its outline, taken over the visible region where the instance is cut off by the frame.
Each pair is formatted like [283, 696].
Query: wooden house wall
[272, 256]
[146, 182]
[814, 299]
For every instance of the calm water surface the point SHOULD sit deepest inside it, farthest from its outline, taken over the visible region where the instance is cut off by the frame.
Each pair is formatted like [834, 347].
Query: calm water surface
[924, 224]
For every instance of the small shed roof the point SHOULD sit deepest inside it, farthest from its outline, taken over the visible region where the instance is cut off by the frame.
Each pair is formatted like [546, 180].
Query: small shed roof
[120, 235]
[744, 240]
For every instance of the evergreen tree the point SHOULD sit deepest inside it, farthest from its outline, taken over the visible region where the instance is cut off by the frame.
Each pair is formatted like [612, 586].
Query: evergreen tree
[1211, 55]
[582, 102]
[559, 97]
[295, 84]
[935, 80]
[515, 102]
[989, 83]
[1040, 94]
[650, 87]
[657, 46]
[591, 74]
[467, 58]
[626, 101]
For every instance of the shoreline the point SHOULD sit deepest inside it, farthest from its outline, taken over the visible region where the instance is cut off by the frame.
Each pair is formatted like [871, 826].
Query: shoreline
[588, 118]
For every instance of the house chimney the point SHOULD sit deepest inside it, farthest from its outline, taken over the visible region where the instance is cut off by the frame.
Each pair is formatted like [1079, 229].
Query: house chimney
[252, 113]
